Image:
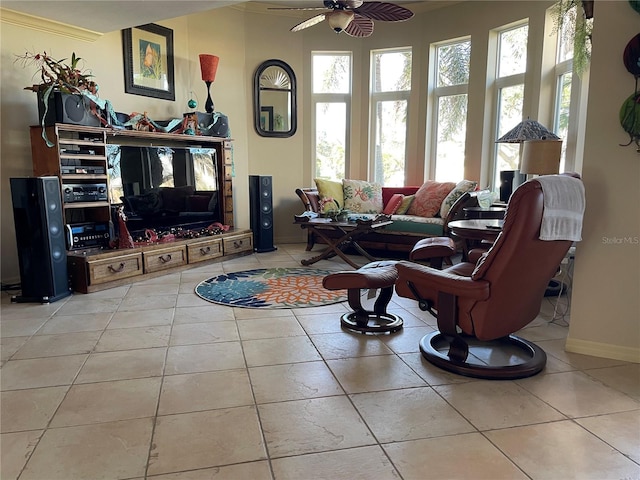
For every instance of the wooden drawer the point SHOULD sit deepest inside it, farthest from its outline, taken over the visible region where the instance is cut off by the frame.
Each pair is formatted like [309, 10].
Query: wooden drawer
[238, 243]
[163, 258]
[204, 250]
[116, 268]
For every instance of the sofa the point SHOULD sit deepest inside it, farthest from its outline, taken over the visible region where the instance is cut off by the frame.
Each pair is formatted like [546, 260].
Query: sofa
[409, 224]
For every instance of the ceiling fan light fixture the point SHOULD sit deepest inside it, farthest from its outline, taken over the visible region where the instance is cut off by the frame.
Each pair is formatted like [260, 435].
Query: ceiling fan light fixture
[339, 19]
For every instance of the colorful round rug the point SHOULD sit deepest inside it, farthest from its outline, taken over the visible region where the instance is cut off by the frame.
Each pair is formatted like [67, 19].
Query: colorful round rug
[270, 288]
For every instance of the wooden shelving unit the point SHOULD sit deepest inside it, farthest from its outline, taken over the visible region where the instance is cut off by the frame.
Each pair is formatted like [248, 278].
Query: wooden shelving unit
[86, 148]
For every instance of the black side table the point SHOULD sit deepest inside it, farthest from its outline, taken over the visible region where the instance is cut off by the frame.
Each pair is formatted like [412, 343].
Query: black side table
[473, 213]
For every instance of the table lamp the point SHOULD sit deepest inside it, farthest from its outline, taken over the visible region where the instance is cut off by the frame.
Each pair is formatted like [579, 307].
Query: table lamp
[208, 68]
[526, 130]
[541, 157]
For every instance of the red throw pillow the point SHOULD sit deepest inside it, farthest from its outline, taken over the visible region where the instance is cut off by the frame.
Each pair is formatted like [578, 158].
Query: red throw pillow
[428, 199]
[392, 205]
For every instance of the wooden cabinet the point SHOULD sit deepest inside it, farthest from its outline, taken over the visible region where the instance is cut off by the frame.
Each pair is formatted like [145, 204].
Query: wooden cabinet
[237, 243]
[227, 183]
[165, 257]
[93, 270]
[79, 157]
[203, 250]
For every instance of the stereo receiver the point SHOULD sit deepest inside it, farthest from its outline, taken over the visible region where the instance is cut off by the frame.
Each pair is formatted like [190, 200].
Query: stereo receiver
[85, 235]
[84, 192]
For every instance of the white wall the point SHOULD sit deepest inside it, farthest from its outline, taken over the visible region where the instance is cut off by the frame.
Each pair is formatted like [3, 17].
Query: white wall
[605, 314]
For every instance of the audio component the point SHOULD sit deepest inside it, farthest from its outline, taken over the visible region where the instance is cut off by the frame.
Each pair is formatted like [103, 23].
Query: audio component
[261, 212]
[84, 192]
[509, 181]
[37, 214]
[86, 235]
[67, 108]
[88, 169]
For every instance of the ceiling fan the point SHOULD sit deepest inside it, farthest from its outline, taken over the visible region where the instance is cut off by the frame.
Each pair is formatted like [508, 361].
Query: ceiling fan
[353, 17]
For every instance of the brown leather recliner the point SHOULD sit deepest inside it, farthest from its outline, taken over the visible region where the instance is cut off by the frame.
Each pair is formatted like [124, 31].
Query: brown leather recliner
[482, 304]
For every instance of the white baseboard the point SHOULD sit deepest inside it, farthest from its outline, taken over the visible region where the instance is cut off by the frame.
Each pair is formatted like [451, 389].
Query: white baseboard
[603, 350]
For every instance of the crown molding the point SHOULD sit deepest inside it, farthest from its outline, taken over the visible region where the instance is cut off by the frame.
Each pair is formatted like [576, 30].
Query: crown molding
[48, 26]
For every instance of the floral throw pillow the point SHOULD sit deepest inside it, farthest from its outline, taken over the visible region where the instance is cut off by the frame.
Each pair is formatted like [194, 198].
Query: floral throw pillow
[428, 199]
[460, 189]
[362, 197]
[329, 192]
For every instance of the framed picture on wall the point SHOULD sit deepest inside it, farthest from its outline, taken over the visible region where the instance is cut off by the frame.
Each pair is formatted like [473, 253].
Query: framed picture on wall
[148, 61]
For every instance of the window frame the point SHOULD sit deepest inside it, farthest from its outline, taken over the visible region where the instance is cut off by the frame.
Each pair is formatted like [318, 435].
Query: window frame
[386, 96]
[435, 94]
[342, 98]
[498, 84]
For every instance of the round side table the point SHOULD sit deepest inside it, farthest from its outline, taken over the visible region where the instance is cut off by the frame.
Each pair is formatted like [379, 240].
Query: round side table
[474, 213]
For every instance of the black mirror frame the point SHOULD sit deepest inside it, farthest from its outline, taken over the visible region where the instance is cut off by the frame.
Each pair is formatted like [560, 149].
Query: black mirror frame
[256, 99]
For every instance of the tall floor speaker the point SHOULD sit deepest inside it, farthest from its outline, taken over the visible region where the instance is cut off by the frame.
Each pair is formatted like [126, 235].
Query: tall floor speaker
[261, 212]
[42, 254]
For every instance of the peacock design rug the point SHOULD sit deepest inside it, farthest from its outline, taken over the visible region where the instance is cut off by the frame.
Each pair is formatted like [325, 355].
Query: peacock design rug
[270, 288]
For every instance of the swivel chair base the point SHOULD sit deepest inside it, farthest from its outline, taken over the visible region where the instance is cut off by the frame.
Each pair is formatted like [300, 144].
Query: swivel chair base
[370, 322]
[530, 358]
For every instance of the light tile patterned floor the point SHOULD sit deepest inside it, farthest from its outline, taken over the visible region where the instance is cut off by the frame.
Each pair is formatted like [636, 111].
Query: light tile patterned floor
[150, 381]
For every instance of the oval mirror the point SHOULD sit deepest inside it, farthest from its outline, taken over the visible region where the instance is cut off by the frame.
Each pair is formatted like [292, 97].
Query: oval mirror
[274, 99]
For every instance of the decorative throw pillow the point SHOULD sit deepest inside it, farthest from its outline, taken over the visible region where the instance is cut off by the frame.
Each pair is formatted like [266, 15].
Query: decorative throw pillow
[460, 189]
[329, 189]
[393, 204]
[404, 206]
[429, 197]
[362, 197]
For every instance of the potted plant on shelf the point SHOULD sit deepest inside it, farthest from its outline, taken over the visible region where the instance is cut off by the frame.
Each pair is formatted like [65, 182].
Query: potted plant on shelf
[66, 94]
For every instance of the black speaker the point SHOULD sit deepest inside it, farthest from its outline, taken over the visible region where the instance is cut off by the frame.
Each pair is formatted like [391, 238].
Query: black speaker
[67, 108]
[509, 181]
[261, 212]
[37, 214]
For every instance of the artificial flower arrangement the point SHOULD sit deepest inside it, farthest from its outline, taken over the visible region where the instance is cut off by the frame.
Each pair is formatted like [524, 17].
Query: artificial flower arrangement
[57, 75]
[64, 77]
[334, 211]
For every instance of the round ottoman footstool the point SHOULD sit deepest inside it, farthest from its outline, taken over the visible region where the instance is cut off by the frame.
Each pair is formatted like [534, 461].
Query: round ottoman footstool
[375, 275]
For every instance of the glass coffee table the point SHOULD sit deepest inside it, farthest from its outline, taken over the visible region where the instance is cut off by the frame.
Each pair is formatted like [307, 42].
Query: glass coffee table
[348, 235]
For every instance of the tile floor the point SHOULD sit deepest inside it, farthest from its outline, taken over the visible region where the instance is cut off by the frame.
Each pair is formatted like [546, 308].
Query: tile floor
[149, 381]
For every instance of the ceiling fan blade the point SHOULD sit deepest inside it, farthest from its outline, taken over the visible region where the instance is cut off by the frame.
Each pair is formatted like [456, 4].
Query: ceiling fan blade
[296, 8]
[359, 27]
[310, 22]
[384, 11]
[352, 4]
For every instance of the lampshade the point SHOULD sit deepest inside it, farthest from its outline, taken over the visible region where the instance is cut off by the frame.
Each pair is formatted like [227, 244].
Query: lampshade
[541, 157]
[339, 19]
[527, 130]
[208, 67]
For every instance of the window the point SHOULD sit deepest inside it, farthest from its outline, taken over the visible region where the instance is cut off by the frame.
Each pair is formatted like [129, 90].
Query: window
[390, 90]
[564, 81]
[451, 74]
[509, 84]
[331, 103]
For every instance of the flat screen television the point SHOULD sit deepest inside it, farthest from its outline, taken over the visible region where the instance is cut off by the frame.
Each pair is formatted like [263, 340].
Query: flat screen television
[162, 187]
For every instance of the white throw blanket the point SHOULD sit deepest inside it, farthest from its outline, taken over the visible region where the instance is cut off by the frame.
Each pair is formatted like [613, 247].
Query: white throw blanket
[564, 203]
